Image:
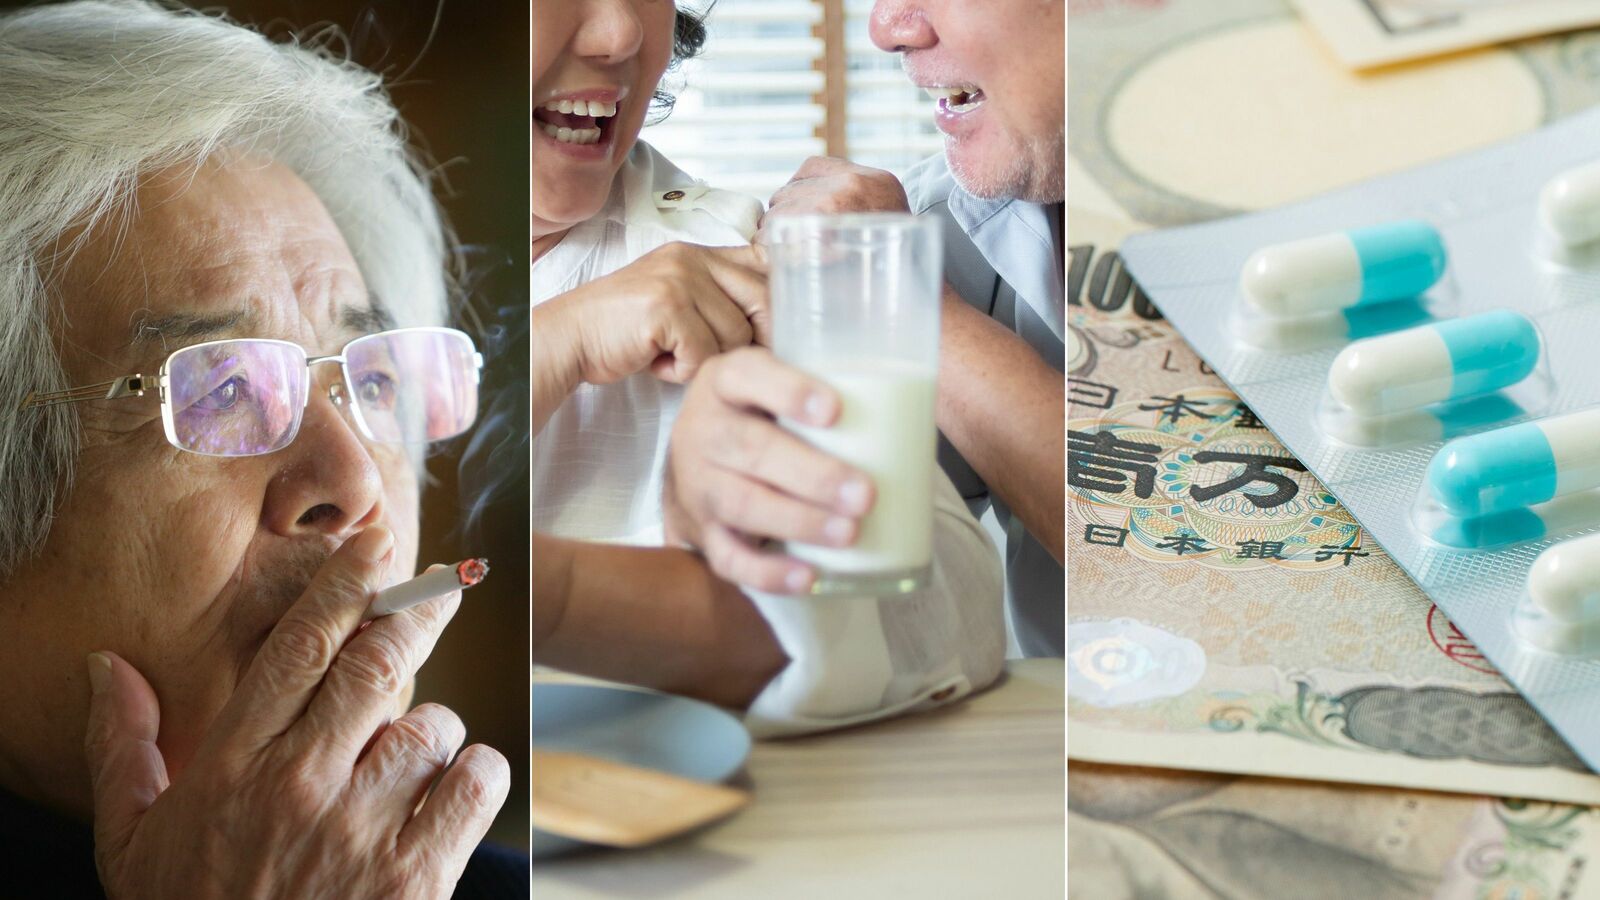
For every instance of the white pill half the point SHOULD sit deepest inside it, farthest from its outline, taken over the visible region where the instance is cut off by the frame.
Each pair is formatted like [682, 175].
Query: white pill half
[1314, 275]
[1565, 580]
[1569, 206]
[1395, 372]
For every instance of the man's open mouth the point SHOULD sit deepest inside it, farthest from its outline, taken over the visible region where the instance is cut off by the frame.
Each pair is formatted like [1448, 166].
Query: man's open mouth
[959, 99]
[576, 121]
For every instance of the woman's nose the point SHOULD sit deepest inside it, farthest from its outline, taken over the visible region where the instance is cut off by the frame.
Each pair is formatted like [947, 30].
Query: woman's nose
[610, 31]
[328, 481]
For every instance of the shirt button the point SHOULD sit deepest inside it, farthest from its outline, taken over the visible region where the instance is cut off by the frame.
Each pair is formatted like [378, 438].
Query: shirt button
[673, 195]
[942, 695]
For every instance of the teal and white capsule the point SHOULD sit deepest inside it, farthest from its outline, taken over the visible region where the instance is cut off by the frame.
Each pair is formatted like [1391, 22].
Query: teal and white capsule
[1385, 262]
[1449, 360]
[1518, 466]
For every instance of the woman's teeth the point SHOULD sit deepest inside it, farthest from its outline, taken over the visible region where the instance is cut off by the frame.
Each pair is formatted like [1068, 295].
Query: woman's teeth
[571, 135]
[957, 99]
[577, 121]
[582, 108]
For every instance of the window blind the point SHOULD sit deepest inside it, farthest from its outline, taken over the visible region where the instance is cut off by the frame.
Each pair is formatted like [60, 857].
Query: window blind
[756, 103]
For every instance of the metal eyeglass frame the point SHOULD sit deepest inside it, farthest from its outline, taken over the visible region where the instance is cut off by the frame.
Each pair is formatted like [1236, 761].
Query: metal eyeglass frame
[137, 384]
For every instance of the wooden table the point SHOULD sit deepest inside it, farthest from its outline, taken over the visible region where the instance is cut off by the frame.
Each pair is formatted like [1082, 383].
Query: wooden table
[962, 802]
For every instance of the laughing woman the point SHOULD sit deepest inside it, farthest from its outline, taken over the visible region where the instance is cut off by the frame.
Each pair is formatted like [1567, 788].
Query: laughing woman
[641, 274]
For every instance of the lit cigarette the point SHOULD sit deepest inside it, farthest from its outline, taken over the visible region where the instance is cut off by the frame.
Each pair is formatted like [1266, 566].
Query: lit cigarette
[426, 587]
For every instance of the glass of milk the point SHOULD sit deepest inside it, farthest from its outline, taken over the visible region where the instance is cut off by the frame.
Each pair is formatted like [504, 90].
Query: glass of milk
[855, 302]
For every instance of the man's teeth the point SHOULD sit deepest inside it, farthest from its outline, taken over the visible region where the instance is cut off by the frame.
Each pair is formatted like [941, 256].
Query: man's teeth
[582, 108]
[958, 99]
[571, 135]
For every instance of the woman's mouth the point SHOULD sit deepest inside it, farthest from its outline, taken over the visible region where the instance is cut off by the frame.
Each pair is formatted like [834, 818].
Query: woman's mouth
[577, 122]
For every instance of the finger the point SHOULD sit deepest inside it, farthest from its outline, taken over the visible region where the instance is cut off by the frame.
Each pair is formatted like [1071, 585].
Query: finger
[741, 274]
[785, 201]
[456, 816]
[760, 449]
[736, 559]
[743, 504]
[723, 316]
[291, 665]
[125, 766]
[746, 256]
[365, 682]
[755, 378]
[759, 258]
[406, 758]
[689, 344]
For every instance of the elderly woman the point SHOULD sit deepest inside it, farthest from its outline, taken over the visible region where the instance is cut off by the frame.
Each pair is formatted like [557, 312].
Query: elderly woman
[221, 276]
[643, 280]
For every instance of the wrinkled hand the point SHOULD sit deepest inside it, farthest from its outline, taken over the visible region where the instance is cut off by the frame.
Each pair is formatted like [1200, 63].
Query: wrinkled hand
[302, 787]
[735, 477]
[668, 311]
[828, 185]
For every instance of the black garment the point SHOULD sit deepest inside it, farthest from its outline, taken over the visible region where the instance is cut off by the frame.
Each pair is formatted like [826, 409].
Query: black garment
[45, 855]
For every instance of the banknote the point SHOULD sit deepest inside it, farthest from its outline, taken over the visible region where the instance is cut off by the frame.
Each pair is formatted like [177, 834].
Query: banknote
[1185, 110]
[1225, 612]
[1365, 33]
[1151, 833]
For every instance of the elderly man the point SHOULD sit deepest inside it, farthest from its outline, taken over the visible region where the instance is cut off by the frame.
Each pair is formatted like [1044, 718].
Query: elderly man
[220, 274]
[999, 187]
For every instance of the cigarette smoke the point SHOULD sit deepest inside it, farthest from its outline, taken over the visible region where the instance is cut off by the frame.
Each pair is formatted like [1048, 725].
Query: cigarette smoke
[493, 471]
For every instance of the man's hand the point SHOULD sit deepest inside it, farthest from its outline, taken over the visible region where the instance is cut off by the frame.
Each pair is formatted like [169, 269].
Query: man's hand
[668, 311]
[828, 185]
[735, 477]
[302, 787]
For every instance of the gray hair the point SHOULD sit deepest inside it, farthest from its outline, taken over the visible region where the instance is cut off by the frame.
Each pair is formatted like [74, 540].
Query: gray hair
[93, 94]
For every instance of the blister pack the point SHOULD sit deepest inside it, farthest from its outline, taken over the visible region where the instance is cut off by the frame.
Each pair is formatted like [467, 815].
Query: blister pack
[1428, 345]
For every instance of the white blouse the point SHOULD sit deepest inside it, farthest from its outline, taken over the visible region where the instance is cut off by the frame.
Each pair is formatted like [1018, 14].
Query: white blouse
[597, 474]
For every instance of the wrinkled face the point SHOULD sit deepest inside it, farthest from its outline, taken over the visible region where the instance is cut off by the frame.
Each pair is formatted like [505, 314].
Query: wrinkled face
[595, 67]
[183, 563]
[998, 71]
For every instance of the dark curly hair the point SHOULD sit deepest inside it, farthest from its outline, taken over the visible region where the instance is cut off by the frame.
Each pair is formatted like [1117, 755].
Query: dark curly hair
[688, 39]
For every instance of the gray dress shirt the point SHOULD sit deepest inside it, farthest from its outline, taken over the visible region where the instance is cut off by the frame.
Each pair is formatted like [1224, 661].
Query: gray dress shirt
[1004, 258]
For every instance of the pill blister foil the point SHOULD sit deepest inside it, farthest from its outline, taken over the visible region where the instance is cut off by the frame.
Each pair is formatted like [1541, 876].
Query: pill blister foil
[1485, 205]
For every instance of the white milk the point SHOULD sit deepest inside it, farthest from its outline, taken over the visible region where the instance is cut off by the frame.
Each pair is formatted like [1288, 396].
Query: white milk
[886, 429]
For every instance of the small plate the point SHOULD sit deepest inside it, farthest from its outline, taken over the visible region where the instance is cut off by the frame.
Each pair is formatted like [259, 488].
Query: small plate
[640, 728]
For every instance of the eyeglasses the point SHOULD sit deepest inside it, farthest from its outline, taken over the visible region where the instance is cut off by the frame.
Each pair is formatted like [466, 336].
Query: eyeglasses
[246, 397]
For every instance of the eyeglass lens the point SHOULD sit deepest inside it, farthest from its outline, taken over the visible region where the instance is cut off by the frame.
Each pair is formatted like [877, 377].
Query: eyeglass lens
[236, 398]
[413, 386]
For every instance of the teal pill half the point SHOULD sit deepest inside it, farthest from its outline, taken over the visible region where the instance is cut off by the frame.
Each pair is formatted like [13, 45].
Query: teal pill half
[1398, 259]
[1494, 472]
[1491, 531]
[1489, 351]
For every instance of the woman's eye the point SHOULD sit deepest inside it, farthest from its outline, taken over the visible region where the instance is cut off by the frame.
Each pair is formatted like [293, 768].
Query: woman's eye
[224, 395]
[375, 390]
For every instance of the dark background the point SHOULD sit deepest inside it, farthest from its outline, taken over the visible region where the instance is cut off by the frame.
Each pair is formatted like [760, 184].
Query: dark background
[458, 71]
